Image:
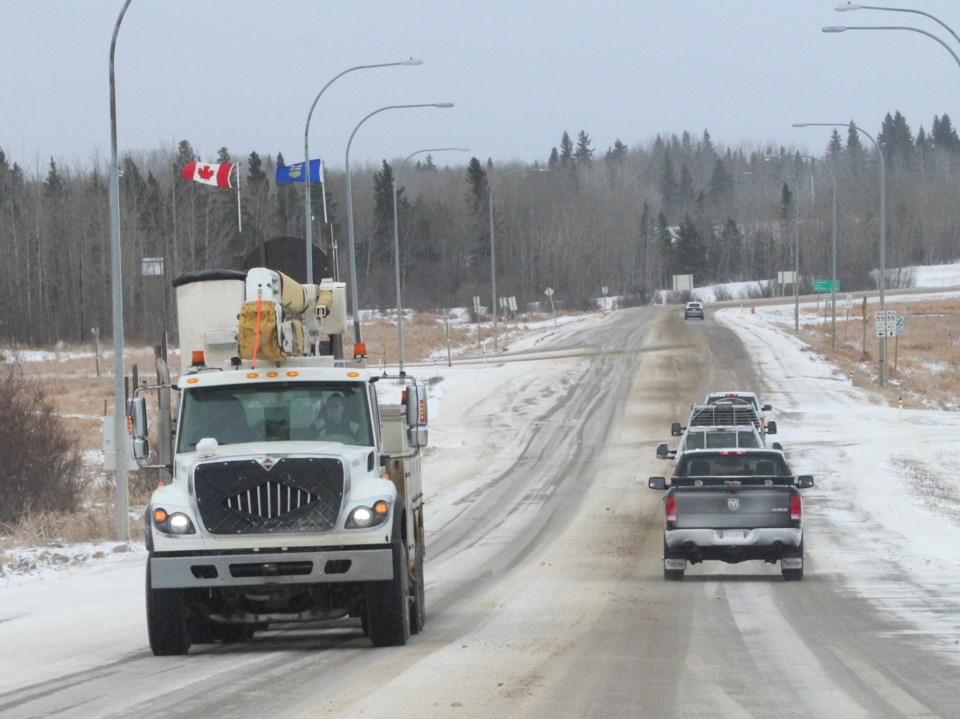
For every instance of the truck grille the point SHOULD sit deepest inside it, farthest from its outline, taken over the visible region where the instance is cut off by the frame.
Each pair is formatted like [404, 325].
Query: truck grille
[295, 495]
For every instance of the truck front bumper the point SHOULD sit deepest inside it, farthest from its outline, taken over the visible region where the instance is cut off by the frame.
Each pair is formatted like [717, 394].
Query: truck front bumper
[263, 568]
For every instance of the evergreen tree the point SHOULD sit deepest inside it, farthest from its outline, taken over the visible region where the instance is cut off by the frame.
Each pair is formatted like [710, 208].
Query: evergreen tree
[256, 204]
[943, 135]
[288, 218]
[617, 152]
[380, 249]
[689, 255]
[895, 139]
[721, 186]
[566, 150]
[583, 154]
[479, 199]
[686, 193]
[669, 190]
[554, 158]
[835, 146]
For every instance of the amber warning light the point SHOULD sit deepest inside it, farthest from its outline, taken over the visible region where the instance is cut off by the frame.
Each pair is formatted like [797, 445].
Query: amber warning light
[197, 358]
[360, 349]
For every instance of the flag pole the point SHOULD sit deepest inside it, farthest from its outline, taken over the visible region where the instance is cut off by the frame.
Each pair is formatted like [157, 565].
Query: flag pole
[239, 217]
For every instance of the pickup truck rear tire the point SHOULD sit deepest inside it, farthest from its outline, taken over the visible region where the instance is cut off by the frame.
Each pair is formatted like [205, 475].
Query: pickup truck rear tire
[388, 604]
[673, 575]
[793, 575]
[167, 620]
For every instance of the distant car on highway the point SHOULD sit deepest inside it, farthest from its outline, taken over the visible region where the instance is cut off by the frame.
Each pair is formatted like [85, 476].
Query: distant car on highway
[693, 310]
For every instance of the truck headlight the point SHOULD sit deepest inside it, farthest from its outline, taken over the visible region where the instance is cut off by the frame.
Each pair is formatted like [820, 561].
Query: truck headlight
[363, 517]
[176, 523]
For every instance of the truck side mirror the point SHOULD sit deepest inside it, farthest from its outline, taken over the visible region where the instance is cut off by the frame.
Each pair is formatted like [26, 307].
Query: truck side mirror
[805, 481]
[771, 427]
[417, 436]
[138, 418]
[416, 405]
[657, 482]
[662, 451]
[675, 429]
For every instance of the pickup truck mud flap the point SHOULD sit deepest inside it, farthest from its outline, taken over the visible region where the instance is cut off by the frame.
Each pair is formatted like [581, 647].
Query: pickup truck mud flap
[791, 563]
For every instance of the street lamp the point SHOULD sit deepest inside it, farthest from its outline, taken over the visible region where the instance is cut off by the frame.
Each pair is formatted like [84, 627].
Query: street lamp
[306, 159]
[493, 244]
[119, 398]
[396, 243]
[844, 28]
[883, 233]
[833, 253]
[853, 6]
[354, 297]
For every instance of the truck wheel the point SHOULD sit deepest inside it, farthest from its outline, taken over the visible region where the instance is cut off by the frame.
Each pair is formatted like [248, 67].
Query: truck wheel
[418, 608]
[167, 620]
[671, 574]
[793, 575]
[388, 610]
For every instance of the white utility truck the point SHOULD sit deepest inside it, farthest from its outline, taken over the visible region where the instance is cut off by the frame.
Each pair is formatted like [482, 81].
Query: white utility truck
[293, 494]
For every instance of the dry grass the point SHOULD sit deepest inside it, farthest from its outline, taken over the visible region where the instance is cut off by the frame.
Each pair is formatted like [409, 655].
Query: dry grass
[923, 364]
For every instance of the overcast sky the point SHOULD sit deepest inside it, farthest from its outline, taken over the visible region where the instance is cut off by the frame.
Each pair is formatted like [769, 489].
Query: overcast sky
[243, 74]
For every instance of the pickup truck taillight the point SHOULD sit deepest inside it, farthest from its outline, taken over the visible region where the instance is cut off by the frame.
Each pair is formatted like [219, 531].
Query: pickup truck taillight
[670, 507]
[796, 509]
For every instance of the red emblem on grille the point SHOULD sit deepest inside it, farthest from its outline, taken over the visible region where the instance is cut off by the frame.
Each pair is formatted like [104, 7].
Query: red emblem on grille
[267, 463]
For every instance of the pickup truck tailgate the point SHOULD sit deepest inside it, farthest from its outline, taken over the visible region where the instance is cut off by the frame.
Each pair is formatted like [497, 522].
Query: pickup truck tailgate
[733, 507]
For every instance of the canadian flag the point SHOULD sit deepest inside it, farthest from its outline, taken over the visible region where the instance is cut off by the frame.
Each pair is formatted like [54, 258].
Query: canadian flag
[218, 175]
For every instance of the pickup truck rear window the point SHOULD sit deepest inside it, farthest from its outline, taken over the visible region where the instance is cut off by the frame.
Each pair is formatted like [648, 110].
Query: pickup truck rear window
[733, 465]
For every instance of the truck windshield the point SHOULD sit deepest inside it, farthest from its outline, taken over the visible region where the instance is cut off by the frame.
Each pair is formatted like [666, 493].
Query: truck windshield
[276, 412]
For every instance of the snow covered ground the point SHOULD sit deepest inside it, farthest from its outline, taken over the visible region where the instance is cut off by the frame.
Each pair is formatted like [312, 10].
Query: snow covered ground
[884, 478]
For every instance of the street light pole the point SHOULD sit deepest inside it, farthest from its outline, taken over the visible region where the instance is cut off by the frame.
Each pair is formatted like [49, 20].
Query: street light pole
[119, 396]
[306, 159]
[882, 280]
[493, 244]
[833, 254]
[396, 243]
[844, 28]
[853, 6]
[354, 296]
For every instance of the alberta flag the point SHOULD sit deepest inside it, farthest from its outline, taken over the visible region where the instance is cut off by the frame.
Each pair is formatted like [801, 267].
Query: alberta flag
[294, 173]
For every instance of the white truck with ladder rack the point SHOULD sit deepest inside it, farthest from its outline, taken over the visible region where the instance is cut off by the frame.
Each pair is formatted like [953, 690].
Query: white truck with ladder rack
[293, 495]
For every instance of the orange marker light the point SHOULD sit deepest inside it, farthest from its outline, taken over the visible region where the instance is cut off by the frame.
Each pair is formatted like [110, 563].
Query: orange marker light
[192, 380]
[159, 516]
[381, 507]
[273, 374]
[252, 375]
[353, 374]
[293, 374]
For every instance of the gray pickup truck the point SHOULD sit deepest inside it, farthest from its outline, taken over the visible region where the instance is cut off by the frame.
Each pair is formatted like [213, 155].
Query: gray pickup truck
[731, 506]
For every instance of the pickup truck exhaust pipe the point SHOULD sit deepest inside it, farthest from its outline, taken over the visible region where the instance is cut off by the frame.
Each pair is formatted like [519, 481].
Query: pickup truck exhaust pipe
[692, 553]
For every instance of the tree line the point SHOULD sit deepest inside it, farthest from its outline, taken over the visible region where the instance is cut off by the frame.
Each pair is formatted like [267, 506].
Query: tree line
[627, 219]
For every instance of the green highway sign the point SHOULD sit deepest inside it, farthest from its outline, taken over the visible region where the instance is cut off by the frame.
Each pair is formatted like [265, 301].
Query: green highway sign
[824, 285]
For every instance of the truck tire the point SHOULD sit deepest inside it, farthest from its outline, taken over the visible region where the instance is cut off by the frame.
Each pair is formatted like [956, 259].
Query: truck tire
[674, 575]
[167, 620]
[388, 610]
[418, 608]
[793, 575]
